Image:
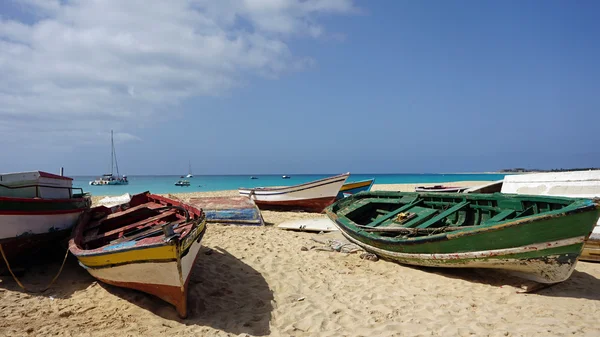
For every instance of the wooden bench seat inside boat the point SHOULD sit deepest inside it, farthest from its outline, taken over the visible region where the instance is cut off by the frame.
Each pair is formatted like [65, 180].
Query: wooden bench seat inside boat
[131, 214]
[92, 238]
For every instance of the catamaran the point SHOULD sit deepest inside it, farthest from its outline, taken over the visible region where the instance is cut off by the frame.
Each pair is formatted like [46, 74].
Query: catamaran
[189, 175]
[110, 178]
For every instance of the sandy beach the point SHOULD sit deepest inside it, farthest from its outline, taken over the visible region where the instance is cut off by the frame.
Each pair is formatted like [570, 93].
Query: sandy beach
[263, 281]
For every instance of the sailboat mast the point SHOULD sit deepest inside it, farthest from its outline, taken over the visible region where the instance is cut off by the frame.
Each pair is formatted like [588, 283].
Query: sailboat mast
[112, 152]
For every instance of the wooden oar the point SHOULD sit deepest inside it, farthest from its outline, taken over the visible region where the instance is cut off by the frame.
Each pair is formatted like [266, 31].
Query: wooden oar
[404, 230]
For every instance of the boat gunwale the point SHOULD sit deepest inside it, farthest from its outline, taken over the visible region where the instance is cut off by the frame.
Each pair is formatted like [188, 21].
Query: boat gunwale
[363, 182]
[577, 205]
[171, 259]
[280, 188]
[76, 237]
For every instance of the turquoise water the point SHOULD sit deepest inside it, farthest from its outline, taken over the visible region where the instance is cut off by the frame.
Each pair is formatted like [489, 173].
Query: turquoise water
[200, 183]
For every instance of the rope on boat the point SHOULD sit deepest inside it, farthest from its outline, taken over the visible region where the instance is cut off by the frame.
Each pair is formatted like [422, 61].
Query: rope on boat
[21, 284]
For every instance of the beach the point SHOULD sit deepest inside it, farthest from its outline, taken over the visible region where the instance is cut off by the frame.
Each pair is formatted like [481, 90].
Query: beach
[263, 281]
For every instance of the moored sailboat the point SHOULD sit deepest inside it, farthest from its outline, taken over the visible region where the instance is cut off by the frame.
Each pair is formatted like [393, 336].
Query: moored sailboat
[110, 178]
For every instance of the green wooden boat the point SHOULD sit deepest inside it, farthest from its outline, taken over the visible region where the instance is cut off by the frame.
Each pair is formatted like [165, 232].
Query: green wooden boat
[539, 238]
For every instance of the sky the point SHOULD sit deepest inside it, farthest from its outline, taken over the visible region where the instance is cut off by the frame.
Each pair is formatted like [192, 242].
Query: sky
[298, 86]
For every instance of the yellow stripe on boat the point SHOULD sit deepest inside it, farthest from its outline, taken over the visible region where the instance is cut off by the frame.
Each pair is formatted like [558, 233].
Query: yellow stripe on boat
[134, 255]
[350, 186]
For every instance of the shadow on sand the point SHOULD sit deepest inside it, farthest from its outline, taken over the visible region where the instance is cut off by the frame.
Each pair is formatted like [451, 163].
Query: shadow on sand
[224, 293]
[579, 285]
[37, 271]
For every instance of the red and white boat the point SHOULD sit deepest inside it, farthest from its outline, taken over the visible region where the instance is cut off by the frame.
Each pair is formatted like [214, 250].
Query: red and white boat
[440, 188]
[37, 208]
[313, 196]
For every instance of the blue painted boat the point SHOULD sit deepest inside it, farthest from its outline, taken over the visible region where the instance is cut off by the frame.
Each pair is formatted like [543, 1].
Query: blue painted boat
[229, 210]
[355, 187]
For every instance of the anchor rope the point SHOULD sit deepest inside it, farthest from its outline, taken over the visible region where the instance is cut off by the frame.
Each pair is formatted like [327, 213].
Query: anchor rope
[21, 284]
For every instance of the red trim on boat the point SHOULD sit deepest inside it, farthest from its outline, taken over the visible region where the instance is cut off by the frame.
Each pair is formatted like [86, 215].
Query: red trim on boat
[53, 176]
[310, 205]
[43, 200]
[61, 211]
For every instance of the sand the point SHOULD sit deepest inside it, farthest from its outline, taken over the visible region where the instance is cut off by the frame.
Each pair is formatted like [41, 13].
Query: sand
[261, 282]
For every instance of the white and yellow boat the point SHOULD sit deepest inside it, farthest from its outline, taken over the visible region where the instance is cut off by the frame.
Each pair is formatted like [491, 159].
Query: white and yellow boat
[149, 244]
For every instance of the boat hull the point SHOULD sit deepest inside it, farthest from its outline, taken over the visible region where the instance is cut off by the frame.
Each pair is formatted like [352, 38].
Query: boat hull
[313, 196]
[310, 205]
[27, 225]
[167, 280]
[546, 262]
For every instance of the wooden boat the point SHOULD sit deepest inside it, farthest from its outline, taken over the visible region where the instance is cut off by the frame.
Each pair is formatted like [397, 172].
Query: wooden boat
[355, 187]
[491, 187]
[37, 208]
[440, 188]
[229, 210]
[313, 196]
[576, 184]
[149, 244]
[539, 238]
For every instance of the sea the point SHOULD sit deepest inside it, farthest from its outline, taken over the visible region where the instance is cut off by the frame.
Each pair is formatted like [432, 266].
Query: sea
[207, 183]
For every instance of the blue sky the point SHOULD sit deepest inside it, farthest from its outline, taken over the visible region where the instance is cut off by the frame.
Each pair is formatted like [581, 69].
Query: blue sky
[317, 86]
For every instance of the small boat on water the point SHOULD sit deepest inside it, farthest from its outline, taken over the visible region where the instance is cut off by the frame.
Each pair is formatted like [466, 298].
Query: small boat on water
[440, 188]
[229, 210]
[285, 177]
[355, 187]
[539, 238]
[182, 183]
[37, 208]
[110, 178]
[253, 177]
[149, 244]
[313, 196]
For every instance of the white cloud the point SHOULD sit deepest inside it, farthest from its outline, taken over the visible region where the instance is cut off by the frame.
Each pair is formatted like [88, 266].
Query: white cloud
[88, 65]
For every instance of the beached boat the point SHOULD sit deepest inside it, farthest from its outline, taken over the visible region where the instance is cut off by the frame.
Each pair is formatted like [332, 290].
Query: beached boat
[37, 208]
[313, 196]
[149, 244]
[440, 189]
[110, 178]
[491, 187]
[229, 210]
[537, 237]
[354, 187]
